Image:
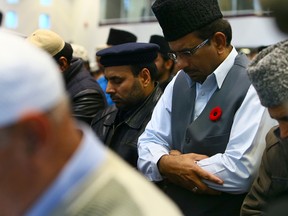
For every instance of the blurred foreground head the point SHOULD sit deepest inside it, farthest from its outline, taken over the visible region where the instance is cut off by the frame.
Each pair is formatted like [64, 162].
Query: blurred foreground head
[33, 115]
[29, 79]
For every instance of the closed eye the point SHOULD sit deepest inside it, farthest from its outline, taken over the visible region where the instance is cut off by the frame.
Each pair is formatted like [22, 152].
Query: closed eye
[115, 80]
[186, 52]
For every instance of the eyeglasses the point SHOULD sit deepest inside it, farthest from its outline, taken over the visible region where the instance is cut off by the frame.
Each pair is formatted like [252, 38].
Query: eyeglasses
[186, 52]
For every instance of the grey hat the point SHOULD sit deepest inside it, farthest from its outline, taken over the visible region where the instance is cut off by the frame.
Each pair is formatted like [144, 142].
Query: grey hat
[178, 18]
[268, 73]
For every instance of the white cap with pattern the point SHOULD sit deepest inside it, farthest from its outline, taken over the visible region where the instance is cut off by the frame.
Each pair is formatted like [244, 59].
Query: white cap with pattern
[29, 79]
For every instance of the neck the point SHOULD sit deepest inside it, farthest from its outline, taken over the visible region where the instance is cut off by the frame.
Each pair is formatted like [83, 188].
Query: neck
[38, 172]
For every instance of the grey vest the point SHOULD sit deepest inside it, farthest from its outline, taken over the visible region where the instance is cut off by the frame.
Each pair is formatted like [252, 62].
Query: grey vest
[204, 136]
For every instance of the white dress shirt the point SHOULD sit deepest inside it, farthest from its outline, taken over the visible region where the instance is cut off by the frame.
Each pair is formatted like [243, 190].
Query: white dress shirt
[238, 164]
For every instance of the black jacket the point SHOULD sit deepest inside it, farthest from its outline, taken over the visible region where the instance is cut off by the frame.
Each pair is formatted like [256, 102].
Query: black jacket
[123, 137]
[86, 95]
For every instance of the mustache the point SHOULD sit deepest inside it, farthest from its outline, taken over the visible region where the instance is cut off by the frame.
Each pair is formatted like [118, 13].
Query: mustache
[113, 97]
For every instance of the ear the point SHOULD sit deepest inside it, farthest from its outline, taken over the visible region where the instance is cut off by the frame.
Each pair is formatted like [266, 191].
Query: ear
[63, 63]
[219, 41]
[168, 64]
[35, 131]
[145, 77]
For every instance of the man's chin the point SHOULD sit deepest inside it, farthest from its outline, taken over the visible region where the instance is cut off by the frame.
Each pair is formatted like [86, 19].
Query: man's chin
[119, 105]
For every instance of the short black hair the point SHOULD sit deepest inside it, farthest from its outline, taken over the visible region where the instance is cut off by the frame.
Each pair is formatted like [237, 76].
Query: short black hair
[219, 25]
[150, 66]
[66, 52]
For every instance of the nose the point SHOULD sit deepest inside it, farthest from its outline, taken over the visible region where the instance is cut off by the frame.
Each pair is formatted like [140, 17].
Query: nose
[181, 62]
[109, 88]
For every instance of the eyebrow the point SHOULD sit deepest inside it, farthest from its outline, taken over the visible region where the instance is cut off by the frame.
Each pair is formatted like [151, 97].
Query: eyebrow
[113, 77]
[186, 49]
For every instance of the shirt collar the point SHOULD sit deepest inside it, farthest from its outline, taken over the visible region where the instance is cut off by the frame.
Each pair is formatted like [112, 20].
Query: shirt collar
[220, 72]
[223, 69]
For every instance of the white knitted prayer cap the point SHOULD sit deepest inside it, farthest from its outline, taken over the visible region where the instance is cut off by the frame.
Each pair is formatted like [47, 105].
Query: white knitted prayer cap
[29, 79]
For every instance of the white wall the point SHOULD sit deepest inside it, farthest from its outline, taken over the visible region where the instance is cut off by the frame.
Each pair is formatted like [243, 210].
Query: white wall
[77, 21]
[255, 31]
[87, 32]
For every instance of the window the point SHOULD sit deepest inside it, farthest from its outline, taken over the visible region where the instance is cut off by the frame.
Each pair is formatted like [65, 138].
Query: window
[44, 21]
[12, 1]
[45, 2]
[127, 11]
[241, 7]
[123, 11]
[11, 19]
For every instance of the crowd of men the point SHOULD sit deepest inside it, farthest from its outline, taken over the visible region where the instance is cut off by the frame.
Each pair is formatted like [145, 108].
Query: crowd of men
[180, 125]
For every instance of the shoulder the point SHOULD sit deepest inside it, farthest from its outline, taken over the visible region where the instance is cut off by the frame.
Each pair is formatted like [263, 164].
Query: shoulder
[104, 114]
[271, 139]
[102, 192]
[273, 150]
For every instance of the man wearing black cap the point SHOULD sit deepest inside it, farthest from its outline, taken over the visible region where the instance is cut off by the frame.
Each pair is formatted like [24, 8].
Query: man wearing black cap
[164, 64]
[119, 36]
[130, 71]
[115, 37]
[206, 134]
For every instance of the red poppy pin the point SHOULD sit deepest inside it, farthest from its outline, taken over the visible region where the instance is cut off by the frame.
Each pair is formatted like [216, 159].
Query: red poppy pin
[215, 114]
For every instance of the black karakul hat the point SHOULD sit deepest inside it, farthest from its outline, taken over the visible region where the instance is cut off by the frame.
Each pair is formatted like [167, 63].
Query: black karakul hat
[128, 54]
[117, 36]
[161, 42]
[178, 18]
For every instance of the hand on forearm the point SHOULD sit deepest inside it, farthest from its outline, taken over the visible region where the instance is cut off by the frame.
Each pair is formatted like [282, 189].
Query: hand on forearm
[182, 170]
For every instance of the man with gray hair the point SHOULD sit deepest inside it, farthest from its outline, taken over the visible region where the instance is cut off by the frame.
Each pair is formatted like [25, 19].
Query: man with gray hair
[269, 75]
[51, 165]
